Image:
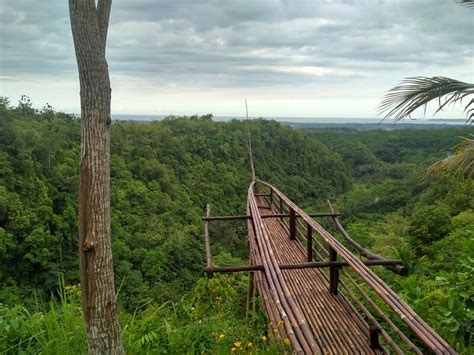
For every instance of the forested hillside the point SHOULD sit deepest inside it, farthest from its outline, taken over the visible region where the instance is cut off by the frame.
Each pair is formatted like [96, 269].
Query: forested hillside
[164, 173]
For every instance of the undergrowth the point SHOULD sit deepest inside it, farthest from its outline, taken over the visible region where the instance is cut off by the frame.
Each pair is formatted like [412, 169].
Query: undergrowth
[211, 319]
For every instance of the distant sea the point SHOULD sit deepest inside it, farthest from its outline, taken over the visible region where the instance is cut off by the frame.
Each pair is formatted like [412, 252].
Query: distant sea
[305, 120]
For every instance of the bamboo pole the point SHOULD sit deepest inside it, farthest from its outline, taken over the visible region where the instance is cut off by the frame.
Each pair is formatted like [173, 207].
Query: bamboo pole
[399, 269]
[206, 238]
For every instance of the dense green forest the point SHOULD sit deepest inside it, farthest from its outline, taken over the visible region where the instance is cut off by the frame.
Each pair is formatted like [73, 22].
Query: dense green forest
[164, 173]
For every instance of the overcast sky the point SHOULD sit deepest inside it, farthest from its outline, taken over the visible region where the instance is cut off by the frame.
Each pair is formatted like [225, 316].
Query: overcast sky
[315, 58]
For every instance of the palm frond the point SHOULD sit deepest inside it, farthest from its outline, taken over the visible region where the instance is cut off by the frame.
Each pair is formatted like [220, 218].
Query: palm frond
[413, 93]
[458, 165]
[468, 3]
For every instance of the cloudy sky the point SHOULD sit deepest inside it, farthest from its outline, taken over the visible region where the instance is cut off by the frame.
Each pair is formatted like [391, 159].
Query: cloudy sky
[314, 58]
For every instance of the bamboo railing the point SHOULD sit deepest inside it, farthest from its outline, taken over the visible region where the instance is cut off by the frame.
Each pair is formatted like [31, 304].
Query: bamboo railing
[360, 287]
[314, 290]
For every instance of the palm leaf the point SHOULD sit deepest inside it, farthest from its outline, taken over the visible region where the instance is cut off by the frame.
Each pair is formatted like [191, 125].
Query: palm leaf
[468, 3]
[413, 93]
[458, 165]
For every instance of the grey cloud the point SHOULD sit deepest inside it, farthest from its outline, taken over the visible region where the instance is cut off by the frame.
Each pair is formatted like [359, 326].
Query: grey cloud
[245, 43]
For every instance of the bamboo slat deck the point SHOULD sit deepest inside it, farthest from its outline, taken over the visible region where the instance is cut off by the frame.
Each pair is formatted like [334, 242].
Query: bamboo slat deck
[335, 327]
[305, 305]
[318, 295]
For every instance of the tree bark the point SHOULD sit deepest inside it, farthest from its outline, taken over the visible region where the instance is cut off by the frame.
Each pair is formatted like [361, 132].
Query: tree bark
[89, 25]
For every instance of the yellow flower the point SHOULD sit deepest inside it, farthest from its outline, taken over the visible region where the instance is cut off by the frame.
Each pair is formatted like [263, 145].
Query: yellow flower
[238, 344]
[221, 336]
[275, 331]
[286, 341]
[218, 298]
[280, 322]
[264, 338]
[232, 350]
[249, 344]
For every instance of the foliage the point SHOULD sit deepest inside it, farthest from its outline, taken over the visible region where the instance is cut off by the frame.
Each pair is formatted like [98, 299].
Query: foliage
[429, 224]
[413, 93]
[459, 164]
[176, 328]
[164, 173]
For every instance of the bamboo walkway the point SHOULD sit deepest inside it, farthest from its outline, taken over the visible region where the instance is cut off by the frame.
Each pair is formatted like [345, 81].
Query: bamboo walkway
[318, 296]
[335, 327]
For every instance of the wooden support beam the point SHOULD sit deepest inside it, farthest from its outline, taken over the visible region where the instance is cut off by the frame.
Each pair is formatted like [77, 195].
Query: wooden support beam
[309, 242]
[278, 215]
[333, 273]
[313, 264]
[225, 218]
[282, 215]
[292, 224]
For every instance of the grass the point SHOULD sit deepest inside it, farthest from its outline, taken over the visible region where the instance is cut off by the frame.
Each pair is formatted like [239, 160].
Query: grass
[196, 324]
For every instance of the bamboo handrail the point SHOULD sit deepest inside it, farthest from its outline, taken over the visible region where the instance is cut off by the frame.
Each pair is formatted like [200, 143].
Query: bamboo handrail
[422, 330]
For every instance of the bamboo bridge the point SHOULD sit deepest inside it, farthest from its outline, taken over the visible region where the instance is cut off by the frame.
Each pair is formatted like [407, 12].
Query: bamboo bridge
[315, 291]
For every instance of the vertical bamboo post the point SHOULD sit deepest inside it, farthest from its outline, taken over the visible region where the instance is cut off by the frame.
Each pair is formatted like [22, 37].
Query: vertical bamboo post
[254, 295]
[292, 224]
[374, 332]
[309, 242]
[271, 198]
[281, 207]
[206, 237]
[333, 273]
[250, 291]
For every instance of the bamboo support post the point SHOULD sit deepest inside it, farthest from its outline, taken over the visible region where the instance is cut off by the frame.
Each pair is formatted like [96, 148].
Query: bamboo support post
[250, 293]
[309, 243]
[374, 332]
[271, 199]
[206, 238]
[333, 273]
[292, 224]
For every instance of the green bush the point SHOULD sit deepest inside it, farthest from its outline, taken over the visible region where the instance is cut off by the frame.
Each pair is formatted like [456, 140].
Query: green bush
[427, 225]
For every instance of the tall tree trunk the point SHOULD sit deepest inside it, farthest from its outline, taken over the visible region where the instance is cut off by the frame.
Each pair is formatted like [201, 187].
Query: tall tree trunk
[89, 25]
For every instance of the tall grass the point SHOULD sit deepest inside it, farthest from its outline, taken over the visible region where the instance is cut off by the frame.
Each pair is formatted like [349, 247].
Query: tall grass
[210, 319]
[53, 328]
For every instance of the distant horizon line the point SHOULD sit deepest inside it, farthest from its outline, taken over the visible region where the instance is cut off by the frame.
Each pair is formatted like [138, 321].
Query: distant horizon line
[296, 119]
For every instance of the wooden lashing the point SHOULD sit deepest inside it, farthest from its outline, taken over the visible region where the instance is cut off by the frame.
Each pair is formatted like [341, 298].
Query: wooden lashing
[333, 273]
